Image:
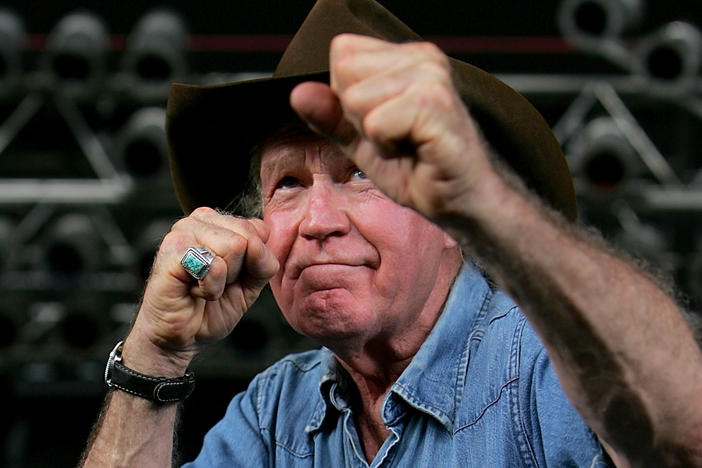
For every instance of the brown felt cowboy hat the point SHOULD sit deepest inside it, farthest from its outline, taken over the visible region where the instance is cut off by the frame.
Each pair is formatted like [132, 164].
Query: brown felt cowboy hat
[212, 129]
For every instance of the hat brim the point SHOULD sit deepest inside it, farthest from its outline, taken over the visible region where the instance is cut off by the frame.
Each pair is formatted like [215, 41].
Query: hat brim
[212, 130]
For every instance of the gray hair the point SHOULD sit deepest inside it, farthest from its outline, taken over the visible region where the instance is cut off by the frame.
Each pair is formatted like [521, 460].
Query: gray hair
[248, 203]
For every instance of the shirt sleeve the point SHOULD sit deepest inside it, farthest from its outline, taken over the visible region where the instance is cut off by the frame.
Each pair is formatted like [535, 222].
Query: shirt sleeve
[555, 433]
[236, 440]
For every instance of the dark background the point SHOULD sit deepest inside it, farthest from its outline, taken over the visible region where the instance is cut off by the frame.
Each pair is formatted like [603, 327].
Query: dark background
[85, 194]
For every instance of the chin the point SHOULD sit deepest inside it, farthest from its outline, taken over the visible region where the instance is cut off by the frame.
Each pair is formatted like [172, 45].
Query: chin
[328, 321]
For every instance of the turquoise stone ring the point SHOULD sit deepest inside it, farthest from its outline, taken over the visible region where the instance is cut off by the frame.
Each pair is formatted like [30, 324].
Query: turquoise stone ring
[197, 261]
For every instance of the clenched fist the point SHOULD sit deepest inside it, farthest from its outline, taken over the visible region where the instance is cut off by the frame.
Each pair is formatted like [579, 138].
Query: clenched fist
[179, 315]
[394, 111]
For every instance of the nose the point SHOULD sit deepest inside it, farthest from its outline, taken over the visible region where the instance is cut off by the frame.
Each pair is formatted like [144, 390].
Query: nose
[325, 214]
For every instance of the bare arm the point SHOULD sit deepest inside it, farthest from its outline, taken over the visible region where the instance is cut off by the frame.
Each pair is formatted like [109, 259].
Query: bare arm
[619, 345]
[179, 316]
[131, 431]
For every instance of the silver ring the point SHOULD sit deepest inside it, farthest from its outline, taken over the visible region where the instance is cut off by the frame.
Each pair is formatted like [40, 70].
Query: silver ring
[197, 261]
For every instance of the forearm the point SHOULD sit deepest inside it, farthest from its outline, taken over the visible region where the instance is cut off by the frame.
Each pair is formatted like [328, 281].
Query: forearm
[133, 431]
[619, 344]
[177, 317]
[621, 349]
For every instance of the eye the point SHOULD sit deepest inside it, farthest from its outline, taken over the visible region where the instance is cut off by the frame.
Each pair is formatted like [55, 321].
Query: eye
[287, 182]
[357, 174]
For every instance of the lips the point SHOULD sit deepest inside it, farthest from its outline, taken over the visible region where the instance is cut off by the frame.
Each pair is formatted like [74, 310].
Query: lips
[296, 268]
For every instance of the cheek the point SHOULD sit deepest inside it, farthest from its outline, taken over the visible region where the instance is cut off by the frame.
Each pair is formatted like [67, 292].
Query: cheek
[409, 246]
[395, 231]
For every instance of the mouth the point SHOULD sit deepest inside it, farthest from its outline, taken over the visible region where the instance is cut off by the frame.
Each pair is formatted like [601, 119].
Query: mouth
[327, 277]
[321, 267]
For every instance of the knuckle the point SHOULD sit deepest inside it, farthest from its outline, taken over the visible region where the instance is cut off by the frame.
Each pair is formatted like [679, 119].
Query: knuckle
[203, 212]
[247, 227]
[351, 100]
[174, 240]
[256, 244]
[342, 66]
[428, 49]
[436, 70]
[373, 127]
[341, 43]
[432, 54]
[258, 224]
[240, 228]
[436, 94]
[237, 244]
[210, 292]
[209, 295]
[181, 224]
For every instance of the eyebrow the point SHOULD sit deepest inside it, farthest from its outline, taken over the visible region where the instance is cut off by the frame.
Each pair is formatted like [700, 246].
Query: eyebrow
[273, 161]
[278, 154]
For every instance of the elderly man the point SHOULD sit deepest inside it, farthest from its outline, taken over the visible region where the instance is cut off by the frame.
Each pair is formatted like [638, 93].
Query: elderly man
[365, 224]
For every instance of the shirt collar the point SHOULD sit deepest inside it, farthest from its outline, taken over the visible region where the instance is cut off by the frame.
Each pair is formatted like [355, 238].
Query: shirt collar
[327, 384]
[433, 381]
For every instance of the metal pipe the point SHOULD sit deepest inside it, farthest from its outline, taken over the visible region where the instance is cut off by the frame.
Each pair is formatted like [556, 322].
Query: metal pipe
[141, 145]
[598, 26]
[72, 246]
[602, 155]
[12, 43]
[669, 59]
[598, 19]
[76, 55]
[155, 56]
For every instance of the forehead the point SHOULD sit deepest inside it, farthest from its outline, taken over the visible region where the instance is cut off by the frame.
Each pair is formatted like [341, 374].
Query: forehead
[295, 145]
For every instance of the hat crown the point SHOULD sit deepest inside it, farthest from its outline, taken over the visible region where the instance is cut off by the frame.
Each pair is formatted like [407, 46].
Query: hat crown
[308, 51]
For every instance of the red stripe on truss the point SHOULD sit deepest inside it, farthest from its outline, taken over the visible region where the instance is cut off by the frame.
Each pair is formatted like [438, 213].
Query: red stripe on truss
[278, 42]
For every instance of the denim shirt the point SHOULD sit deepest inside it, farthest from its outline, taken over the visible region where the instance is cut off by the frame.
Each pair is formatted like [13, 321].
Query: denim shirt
[480, 392]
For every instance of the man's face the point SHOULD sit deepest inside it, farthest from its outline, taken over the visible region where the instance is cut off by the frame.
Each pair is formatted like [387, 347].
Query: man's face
[354, 264]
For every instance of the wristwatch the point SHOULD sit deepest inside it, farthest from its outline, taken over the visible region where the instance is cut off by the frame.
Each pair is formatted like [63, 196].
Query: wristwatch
[160, 390]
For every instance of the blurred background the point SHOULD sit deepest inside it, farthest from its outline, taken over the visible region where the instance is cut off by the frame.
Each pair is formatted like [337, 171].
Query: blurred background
[85, 194]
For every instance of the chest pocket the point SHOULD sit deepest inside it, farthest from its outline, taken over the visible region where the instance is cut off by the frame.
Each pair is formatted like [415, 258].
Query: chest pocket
[493, 370]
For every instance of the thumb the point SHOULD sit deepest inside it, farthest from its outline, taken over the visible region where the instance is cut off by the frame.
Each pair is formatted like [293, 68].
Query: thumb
[318, 106]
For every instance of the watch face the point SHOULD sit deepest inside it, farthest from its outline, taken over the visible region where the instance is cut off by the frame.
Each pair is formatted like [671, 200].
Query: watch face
[108, 371]
[117, 350]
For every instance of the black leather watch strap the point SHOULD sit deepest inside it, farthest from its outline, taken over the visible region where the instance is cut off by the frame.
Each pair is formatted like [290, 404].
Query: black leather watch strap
[158, 389]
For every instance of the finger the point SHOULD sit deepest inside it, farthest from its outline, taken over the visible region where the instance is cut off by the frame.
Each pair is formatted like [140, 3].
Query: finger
[362, 97]
[239, 242]
[356, 42]
[260, 263]
[237, 224]
[355, 58]
[317, 105]
[426, 113]
[344, 47]
[211, 287]
[227, 236]
[387, 133]
[175, 246]
[261, 228]
[222, 242]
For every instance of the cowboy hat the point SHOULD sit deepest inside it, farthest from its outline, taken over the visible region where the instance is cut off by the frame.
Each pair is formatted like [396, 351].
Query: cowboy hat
[212, 129]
